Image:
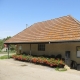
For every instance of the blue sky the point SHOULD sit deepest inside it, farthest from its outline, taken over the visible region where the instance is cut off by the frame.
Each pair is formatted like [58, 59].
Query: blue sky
[15, 14]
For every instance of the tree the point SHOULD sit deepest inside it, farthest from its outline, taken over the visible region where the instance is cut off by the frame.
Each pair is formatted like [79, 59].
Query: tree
[8, 37]
[1, 43]
[12, 47]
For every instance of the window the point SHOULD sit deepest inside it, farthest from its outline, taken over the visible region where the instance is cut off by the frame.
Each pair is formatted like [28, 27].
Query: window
[78, 51]
[41, 47]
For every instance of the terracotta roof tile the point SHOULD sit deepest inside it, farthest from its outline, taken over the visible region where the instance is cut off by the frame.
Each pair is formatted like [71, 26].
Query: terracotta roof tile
[65, 28]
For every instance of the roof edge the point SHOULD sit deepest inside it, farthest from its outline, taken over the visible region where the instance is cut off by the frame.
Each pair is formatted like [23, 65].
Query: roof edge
[75, 19]
[43, 42]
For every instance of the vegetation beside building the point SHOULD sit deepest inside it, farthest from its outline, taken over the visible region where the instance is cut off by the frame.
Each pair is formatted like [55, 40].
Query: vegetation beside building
[2, 45]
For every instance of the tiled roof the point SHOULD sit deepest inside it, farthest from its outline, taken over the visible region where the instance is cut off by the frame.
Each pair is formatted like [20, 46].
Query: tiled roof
[65, 28]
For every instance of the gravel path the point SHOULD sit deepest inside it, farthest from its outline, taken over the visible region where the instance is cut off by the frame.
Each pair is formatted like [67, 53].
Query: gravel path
[16, 70]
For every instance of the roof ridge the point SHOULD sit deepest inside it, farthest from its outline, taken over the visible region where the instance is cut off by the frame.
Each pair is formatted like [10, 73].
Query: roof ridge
[50, 19]
[74, 19]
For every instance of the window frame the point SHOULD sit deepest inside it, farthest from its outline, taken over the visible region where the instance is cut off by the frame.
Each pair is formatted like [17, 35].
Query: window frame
[41, 47]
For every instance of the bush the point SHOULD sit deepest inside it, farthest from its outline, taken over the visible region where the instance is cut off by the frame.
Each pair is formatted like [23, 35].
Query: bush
[52, 62]
[59, 56]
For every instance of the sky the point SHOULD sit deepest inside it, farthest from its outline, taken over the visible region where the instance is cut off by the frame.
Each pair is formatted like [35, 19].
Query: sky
[15, 14]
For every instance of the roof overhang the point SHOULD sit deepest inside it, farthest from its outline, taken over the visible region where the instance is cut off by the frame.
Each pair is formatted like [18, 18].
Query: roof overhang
[46, 42]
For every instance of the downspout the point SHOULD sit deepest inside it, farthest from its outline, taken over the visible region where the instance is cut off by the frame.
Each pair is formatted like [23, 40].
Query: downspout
[30, 49]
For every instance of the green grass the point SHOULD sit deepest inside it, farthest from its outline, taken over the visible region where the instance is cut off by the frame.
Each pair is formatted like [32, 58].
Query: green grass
[5, 57]
[60, 69]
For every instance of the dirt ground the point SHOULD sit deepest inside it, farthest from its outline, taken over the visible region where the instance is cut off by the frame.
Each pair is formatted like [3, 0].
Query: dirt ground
[16, 70]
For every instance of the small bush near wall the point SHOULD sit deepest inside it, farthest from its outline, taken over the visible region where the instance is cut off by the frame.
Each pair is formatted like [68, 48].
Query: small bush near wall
[52, 62]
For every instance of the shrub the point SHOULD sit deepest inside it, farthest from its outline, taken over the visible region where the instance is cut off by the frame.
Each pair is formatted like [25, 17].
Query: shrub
[52, 62]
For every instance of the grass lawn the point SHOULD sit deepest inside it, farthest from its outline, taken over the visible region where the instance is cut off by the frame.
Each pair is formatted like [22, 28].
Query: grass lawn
[5, 57]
